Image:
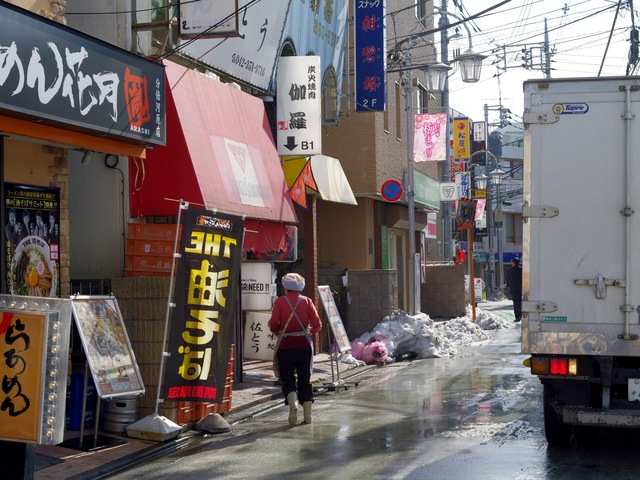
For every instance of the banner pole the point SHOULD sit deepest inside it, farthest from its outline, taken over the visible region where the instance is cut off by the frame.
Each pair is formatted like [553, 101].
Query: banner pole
[170, 304]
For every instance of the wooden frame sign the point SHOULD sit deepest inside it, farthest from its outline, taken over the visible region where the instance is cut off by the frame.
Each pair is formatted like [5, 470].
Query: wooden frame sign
[107, 347]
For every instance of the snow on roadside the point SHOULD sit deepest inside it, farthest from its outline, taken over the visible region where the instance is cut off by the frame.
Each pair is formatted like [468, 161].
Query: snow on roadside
[419, 336]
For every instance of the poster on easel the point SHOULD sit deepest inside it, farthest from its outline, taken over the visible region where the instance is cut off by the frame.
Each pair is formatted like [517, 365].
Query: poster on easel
[337, 327]
[106, 345]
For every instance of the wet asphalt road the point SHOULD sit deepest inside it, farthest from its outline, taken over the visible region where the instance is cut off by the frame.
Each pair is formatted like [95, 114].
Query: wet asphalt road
[477, 415]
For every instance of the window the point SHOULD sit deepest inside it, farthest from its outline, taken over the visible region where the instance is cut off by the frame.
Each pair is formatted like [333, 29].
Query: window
[513, 226]
[330, 99]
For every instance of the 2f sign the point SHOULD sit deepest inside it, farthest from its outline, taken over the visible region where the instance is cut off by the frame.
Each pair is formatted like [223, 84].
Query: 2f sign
[299, 98]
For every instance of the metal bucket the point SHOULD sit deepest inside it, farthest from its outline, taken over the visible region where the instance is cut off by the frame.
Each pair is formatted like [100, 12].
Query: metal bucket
[119, 413]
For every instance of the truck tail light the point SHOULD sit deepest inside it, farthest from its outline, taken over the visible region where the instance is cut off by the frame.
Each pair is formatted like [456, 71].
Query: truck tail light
[553, 366]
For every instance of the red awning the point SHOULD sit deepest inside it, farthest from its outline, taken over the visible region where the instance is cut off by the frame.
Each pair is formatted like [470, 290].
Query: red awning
[220, 153]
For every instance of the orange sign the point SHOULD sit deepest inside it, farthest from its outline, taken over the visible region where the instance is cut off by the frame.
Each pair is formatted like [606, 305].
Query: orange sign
[22, 338]
[461, 139]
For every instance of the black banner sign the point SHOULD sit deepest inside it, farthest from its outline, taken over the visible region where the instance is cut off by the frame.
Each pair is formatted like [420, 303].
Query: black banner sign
[64, 77]
[202, 321]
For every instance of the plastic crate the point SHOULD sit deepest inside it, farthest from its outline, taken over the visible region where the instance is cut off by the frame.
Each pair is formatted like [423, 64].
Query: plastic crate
[152, 231]
[148, 263]
[143, 246]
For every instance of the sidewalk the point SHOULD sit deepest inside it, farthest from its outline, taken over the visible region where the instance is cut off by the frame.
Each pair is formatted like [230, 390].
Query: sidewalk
[253, 393]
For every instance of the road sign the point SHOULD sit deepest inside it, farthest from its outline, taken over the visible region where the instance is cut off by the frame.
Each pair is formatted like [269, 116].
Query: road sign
[391, 190]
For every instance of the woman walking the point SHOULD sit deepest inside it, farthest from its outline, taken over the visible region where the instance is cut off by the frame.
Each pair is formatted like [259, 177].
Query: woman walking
[294, 320]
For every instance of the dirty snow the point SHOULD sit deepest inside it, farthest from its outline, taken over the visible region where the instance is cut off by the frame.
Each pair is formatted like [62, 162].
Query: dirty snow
[418, 336]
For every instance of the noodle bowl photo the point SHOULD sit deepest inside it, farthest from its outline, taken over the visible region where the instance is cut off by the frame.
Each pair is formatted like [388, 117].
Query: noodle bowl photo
[32, 272]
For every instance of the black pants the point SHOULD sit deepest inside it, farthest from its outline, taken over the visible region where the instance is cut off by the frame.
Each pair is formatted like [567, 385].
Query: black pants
[290, 361]
[517, 304]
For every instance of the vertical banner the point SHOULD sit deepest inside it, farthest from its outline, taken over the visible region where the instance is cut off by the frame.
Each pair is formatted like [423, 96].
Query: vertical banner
[429, 138]
[461, 140]
[202, 321]
[299, 106]
[370, 56]
[32, 240]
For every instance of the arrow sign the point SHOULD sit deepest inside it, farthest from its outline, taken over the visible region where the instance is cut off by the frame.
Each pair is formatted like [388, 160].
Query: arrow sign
[291, 143]
[391, 190]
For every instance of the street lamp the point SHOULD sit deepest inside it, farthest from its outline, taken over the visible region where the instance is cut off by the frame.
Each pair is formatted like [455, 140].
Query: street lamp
[437, 82]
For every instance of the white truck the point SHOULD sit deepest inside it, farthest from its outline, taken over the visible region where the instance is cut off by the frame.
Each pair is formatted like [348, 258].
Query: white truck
[581, 251]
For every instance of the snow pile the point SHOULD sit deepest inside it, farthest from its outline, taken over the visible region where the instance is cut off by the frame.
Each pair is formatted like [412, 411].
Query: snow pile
[419, 336]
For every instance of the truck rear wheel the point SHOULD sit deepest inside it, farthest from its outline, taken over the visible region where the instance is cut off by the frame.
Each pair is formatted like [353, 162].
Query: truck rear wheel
[558, 434]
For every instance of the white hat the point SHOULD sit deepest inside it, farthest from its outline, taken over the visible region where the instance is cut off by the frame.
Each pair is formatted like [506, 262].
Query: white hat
[293, 282]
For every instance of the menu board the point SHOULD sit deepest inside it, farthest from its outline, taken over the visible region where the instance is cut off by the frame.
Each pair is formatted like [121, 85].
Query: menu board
[107, 347]
[337, 327]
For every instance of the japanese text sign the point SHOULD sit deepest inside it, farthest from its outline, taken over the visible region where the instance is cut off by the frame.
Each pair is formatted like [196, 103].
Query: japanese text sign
[35, 349]
[461, 139]
[67, 78]
[299, 106]
[370, 56]
[203, 319]
[259, 342]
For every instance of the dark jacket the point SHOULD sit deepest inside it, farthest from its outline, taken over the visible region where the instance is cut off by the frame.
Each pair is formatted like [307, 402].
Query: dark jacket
[514, 279]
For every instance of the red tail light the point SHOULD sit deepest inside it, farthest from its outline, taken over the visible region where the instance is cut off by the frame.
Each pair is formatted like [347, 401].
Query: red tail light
[559, 366]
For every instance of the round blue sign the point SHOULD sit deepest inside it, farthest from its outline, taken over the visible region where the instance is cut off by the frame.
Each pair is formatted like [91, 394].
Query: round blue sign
[391, 190]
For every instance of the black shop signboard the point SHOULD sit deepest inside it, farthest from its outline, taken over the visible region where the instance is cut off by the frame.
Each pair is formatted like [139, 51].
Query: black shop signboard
[66, 78]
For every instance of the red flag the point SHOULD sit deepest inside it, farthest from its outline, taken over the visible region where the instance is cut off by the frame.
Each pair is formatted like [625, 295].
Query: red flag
[298, 190]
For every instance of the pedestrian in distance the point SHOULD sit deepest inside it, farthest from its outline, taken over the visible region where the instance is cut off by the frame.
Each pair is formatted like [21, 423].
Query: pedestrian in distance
[294, 319]
[514, 284]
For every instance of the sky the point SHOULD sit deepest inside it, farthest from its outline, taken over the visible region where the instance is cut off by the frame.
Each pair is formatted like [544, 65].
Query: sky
[578, 30]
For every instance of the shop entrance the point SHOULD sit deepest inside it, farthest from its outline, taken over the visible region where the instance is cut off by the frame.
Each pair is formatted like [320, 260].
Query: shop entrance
[398, 260]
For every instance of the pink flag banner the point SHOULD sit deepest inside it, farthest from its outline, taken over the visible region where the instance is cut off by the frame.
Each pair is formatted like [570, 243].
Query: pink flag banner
[430, 137]
[482, 203]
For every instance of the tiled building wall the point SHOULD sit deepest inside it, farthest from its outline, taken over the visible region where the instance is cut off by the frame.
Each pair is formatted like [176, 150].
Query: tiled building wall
[442, 295]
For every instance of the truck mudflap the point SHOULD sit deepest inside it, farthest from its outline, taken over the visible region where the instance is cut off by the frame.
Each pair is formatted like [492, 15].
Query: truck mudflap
[598, 417]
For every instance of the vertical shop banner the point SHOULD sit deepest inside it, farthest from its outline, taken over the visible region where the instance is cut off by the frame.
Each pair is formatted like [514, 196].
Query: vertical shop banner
[430, 139]
[461, 139]
[202, 321]
[299, 106]
[32, 240]
[370, 56]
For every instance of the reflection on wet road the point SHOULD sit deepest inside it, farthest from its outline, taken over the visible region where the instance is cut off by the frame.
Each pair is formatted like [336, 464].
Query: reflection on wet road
[477, 415]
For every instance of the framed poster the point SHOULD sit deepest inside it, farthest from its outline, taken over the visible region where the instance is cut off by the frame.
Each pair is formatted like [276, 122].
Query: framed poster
[32, 240]
[337, 327]
[107, 347]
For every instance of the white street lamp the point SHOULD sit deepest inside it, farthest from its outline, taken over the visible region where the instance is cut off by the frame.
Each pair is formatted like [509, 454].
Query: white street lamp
[437, 77]
[470, 65]
[481, 181]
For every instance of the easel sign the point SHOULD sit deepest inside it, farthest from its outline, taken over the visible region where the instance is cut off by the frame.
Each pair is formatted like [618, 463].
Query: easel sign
[107, 347]
[337, 327]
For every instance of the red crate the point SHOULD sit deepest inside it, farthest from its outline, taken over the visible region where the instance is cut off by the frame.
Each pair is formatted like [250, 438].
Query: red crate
[148, 263]
[152, 231]
[143, 246]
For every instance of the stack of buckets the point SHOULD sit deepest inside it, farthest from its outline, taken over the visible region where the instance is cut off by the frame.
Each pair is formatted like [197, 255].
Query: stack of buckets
[118, 413]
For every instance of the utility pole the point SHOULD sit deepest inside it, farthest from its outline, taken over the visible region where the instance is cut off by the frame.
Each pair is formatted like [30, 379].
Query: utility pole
[447, 231]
